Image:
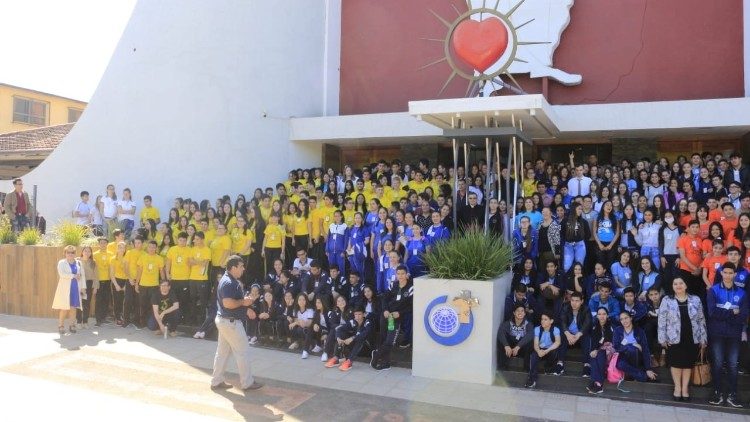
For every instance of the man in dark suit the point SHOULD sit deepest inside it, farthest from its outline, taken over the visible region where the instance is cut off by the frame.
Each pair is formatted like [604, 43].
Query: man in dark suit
[737, 172]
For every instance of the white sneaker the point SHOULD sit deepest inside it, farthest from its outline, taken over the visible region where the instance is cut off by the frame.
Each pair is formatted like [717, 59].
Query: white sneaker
[317, 349]
[199, 334]
[253, 340]
[294, 346]
[304, 354]
[324, 357]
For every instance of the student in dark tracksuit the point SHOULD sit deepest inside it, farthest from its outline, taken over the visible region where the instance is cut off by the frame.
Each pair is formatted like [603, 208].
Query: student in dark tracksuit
[602, 350]
[350, 338]
[575, 323]
[514, 338]
[270, 316]
[337, 316]
[397, 303]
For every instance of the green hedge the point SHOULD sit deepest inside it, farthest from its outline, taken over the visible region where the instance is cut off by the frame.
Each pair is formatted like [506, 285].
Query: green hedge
[470, 255]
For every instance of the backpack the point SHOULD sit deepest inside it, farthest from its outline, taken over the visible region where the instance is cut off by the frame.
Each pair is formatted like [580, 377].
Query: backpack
[614, 375]
[551, 334]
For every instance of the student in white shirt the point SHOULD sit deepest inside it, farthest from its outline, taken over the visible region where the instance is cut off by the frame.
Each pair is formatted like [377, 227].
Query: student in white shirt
[126, 212]
[82, 212]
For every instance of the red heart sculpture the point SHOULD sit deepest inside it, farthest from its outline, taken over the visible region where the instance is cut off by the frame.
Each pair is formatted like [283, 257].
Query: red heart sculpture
[480, 44]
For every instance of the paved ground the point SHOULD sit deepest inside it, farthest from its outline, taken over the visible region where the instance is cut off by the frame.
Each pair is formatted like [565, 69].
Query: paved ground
[120, 374]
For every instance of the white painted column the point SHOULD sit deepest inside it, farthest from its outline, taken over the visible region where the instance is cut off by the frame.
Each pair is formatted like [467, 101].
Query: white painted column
[332, 58]
[746, 42]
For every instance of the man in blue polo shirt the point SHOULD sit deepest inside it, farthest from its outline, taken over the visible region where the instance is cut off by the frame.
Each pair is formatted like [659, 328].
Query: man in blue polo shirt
[232, 307]
[727, 316]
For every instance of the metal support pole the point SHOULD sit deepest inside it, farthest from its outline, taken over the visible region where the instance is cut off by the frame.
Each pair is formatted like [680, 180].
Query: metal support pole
[33, 210]
[455, 176]
[466, 168]
[488, 154]
[497, 171]
[515, 197]
[520, 147]
[455, 183]
[508, 193]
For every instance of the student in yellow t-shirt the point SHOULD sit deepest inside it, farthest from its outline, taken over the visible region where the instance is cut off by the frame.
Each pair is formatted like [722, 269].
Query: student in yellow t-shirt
[220, 248]
[242, 239]
[119, 236]
[208, 234]
[327, 212]
[149, 211]
[273, 242]
[199, 289]
[287, 220]
[265, 207]
[418, 184]
[118, 275]
[178, 272]
[150, 271]
[130, 306]
[301, 225]
[102, 259]
[349, 212]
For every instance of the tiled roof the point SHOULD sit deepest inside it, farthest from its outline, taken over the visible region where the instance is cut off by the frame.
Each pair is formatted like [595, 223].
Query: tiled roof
[40, 139]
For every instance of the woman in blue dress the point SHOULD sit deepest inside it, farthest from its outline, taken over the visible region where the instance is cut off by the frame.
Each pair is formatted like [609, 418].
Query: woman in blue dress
[415, 247]
[356, 248]
[70, 285]
[380, 255]
[437, 232]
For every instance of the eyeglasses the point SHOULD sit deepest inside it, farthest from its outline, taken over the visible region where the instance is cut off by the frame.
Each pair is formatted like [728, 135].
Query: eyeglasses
[70, 253]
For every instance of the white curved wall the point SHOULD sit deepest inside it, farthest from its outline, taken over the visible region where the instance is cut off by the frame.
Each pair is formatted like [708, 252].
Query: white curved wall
[179, 109]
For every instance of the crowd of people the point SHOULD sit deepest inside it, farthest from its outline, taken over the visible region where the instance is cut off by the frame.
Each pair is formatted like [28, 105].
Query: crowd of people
[639, 265]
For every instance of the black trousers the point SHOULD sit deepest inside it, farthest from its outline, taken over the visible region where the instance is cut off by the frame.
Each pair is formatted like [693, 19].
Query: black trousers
[144, 300]
[82, 316]
[198, 301]
[103, 300]
[272, 254]
[383, 354]
[130, 313]
[304, 336]
[182, 290]
[523, 352]
[119, 298]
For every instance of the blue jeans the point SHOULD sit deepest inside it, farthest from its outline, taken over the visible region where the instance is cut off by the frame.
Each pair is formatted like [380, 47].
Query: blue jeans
[127, 227]
[20, 222]
[573, 252]
[653, 253]
[725, 349]
[632, 362]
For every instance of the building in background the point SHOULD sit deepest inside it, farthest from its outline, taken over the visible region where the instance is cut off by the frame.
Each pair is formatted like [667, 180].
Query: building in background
[32, 124]
[22, 109]
[237, 93]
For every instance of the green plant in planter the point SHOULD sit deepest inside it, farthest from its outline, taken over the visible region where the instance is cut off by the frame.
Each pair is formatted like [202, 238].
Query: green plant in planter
[67, 232]
[470, 255]
[6, 231]
[29, 236]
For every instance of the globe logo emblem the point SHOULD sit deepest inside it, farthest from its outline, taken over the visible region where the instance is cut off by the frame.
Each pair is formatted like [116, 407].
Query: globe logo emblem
[444, 321]
[450, 323]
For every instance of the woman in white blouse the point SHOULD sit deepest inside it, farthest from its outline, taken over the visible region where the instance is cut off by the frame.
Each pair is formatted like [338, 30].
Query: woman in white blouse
[70, 285]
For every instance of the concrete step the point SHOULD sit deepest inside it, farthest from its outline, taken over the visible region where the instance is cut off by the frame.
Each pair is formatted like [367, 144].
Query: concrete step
[652, 392]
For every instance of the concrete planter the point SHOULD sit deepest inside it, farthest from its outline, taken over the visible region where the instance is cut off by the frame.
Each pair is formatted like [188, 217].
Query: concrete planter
[465, 351]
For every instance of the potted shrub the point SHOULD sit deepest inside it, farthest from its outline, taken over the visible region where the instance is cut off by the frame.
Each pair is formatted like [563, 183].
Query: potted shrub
[458, 308]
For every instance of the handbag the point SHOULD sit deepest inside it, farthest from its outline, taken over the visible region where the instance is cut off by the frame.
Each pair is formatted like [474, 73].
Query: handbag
[702, 370]
[614, 375]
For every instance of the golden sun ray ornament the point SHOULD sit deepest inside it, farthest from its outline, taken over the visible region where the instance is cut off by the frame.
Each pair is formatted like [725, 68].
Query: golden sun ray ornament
[482, 39]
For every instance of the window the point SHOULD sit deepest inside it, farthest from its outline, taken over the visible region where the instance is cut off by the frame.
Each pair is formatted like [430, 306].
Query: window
[26, 110]
[74, 114]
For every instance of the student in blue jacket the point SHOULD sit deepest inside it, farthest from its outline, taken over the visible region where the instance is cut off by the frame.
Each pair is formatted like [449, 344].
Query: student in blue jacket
[635, 308]
[551, 289]
[356, 248]
[336, 241]
[414, 248]
[437, 232]
[520, 296]
[546, 344]
[525, 241]
[634, 357]
[606, 301]
[350, 338]
[727, 317]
